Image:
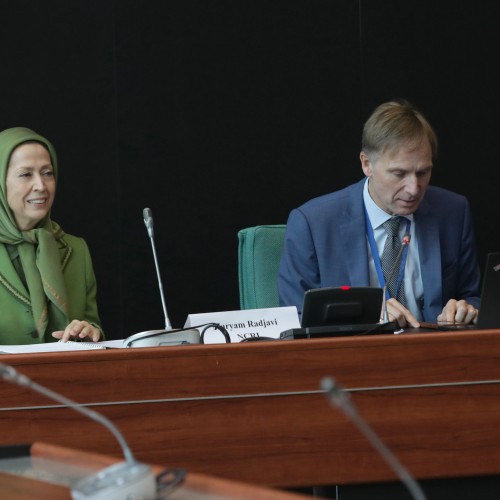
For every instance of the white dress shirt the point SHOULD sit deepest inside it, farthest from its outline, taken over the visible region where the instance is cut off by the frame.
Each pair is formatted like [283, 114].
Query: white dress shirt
[414, 290]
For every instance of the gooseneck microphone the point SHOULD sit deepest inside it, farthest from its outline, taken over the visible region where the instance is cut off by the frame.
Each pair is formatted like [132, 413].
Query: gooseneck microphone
[167, 336]
[405, 241]
[340, 398]
[148, 221]
[121, 480]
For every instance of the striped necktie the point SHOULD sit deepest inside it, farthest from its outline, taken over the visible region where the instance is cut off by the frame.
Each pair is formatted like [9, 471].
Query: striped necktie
[391, 258]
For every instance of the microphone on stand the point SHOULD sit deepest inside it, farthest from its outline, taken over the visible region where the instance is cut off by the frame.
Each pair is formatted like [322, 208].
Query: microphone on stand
[339, 398]
[122, 480]
[405, 241]
[167, 336]
[148, 221]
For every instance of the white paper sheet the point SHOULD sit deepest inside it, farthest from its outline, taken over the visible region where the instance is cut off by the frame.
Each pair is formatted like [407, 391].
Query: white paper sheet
[59, 347]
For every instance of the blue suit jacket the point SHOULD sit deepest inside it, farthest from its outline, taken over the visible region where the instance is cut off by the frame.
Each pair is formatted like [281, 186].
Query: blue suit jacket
[326, 246]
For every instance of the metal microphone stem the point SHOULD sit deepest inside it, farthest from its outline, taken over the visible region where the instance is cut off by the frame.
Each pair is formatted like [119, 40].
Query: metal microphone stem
[339, 398]
[385, 318]
[129, 479]
[168, 336]
[11, 374]
[168, 325]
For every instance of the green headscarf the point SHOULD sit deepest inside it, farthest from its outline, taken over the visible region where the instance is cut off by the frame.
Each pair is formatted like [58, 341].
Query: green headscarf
[38, 248]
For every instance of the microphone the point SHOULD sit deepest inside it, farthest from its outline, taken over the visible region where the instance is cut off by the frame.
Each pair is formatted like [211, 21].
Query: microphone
[405, 241]
[122, 480]
[148, 221]
[167, 336]
[339, 398]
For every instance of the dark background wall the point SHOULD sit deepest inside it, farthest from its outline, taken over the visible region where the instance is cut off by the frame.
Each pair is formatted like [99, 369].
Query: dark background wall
[220, 115]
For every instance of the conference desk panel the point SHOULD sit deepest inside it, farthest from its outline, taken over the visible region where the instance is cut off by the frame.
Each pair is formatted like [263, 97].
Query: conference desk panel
[254, 411]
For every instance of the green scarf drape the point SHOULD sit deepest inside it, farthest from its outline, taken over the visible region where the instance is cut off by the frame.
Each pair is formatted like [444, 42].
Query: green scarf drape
[38, 248]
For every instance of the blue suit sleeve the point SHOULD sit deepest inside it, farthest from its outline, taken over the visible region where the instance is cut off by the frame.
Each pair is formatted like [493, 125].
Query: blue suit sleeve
[298, 271]
[469, 277]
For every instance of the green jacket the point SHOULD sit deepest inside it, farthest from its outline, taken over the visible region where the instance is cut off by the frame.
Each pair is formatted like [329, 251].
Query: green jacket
[16, 319]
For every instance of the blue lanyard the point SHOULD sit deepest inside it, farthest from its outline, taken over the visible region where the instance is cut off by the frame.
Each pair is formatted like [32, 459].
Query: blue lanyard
[376, 258]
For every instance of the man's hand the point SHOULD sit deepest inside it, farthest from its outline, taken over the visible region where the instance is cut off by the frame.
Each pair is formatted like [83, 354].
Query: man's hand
[458, 311]
[400, 315]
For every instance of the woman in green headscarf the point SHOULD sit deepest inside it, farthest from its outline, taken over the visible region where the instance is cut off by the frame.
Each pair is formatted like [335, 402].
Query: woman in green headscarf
[47, 282]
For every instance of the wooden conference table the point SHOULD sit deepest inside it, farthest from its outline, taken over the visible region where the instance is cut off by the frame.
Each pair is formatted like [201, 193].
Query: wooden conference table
[254, 411]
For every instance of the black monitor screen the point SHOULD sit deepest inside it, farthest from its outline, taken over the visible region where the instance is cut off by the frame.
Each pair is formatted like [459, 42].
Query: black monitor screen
[341, 306]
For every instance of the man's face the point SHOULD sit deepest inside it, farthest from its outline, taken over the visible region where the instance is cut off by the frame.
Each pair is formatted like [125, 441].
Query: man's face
[399, 178]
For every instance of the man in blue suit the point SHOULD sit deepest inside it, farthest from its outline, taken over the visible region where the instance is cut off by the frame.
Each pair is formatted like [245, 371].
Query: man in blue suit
[338, 239]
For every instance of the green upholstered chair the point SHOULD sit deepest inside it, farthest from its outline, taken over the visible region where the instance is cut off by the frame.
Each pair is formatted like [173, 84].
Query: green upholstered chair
[259, 252]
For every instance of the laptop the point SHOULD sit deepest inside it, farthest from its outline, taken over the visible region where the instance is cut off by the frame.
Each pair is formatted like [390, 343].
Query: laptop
[339, 312]
[489, 311]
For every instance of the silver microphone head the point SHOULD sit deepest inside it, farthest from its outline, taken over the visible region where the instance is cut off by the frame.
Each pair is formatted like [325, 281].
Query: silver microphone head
[7, 372]
[148, 220]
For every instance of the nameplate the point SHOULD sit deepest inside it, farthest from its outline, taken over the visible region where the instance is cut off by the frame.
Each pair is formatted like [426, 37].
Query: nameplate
[246, 323]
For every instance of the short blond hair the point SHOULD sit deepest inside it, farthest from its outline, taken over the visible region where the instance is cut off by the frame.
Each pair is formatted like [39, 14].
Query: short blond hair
[393, 124]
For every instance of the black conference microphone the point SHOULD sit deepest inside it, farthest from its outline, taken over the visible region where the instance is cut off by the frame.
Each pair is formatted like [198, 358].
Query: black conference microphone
[167, 336]
[127, 479]
[404, 243]
[340, 398]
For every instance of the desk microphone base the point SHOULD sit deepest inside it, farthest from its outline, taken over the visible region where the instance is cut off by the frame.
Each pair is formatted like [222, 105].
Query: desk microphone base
[156, 338]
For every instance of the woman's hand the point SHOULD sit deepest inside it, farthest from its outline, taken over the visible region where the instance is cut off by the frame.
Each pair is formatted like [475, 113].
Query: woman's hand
[78, 330]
